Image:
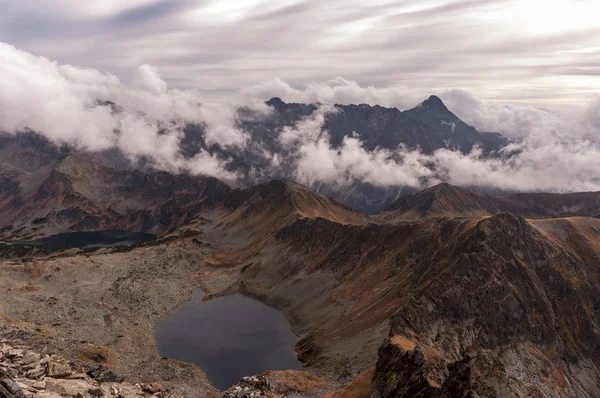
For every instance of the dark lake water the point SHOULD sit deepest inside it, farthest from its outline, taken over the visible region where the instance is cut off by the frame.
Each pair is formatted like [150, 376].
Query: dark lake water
[228, 337]
[91, 240]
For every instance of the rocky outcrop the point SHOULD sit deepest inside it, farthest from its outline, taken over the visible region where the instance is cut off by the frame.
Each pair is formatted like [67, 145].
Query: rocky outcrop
[28, 374]
[250, 387]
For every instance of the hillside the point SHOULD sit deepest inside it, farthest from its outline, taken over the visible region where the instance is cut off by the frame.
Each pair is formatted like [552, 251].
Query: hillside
[448, 200]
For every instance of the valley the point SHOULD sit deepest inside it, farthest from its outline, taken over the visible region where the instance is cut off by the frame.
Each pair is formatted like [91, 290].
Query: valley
[388, 308]
[447, 292]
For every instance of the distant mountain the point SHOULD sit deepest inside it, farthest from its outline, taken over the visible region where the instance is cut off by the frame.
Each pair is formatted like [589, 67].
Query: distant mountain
[46, 190]
[428, 127]
[448, 200]
[455, 133]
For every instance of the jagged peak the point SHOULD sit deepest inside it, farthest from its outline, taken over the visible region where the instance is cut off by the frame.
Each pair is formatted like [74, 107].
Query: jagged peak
[275, 102]
[434, 103]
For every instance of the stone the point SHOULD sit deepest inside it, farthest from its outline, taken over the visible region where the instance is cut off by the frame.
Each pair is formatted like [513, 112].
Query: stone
[102, 374]
[152, 388]
[29, 358]
[47, 394]
[82, 376]
[58, 369]
[249, 387]
[96, 392]
[36, 372]
[68, 387]
[14, 353]
[127, 390]
[39, 385]
[22, 383]
[11, 385]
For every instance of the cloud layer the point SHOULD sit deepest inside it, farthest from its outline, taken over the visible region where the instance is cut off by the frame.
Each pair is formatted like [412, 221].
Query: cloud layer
[534, 51]
[551, 151]
[62, 102]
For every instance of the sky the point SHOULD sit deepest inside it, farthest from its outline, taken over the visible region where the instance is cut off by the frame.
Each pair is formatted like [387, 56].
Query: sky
[537, 52]
[527, 69]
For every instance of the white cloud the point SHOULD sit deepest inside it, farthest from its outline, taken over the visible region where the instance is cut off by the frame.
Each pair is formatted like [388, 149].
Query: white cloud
[61, 102]
[552, 151]
[544, 160]
[148, 78]
[334, 91]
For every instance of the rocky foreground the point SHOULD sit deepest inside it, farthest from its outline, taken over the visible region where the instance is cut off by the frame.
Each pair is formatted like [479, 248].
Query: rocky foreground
[28, 374]
[25, 373]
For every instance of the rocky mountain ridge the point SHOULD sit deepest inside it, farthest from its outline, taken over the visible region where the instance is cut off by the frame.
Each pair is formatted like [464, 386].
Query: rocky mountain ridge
[449, 293]
[449, 200]
[428, 127]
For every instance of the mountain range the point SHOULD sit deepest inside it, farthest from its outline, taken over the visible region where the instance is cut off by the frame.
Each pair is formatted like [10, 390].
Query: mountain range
[447, 293]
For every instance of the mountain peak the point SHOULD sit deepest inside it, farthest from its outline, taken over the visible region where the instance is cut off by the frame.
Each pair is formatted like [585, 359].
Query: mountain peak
[275, 102]
[434, 103]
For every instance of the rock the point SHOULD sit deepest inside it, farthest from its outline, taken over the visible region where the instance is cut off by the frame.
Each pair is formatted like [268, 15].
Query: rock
[47, 394]
[30, 358]
[58, 369]
[68, 387]
[36, 373]
[126, 390]
[96, 392]
[152, 388]
[102, 374]
[249, 387]
[22, 383]
[5, 349]
[81, 376]
[404, 373]
[10, 389]
[39, 385]
[14, 353]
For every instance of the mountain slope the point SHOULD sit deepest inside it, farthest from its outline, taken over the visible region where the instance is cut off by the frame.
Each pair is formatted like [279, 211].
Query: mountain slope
[488, 295]
[78, 193]
[512, 307]
[454, 132]
[448, 200]
[463, 302]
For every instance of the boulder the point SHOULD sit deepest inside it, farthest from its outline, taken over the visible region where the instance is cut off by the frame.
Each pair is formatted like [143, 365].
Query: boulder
[68, 387]
[29, 358]
[10, 389]
[58, 369]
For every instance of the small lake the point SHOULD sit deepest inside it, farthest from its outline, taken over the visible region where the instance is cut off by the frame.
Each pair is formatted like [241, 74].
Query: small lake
[228, 337]
[91, 239]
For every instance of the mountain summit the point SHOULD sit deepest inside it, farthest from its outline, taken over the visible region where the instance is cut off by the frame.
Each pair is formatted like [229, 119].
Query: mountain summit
[435, 104]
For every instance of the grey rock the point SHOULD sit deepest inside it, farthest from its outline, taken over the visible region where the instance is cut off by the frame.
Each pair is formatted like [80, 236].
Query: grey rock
[29, 358]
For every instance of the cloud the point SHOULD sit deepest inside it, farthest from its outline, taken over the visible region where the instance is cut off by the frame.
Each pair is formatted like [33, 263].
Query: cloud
[514, 121]
[551, 151]
[334, 91]
[548, 158]
[148, 78]
[530, 51]
[61, 102]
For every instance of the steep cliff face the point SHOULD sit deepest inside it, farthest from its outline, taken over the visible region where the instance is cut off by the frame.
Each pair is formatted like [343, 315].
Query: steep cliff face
[521, 306]
[477, 306]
